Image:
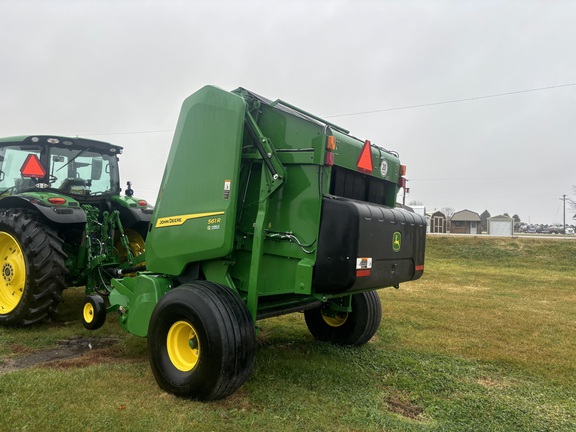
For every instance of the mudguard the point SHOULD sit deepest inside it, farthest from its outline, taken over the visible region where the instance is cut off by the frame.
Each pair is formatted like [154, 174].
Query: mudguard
[55, 213]
[131, 216]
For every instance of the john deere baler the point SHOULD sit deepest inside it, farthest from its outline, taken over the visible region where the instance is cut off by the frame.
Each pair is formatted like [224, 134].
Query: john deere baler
[264, 209]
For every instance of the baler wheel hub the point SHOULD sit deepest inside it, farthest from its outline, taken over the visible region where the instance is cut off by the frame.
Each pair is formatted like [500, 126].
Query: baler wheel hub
[335, 321]
[183, 346]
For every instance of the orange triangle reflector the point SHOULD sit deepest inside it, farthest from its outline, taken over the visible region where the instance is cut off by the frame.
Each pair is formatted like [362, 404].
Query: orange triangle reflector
[32, 167]
[365, 160]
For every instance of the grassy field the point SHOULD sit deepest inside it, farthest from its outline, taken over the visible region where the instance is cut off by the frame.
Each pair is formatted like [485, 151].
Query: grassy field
[485, 341]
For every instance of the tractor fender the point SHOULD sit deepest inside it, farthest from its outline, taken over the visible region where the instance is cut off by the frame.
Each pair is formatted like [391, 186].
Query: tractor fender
[56, 214]
[131, 216]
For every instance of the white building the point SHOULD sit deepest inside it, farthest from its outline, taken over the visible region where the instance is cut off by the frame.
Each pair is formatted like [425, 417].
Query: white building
[501, 225]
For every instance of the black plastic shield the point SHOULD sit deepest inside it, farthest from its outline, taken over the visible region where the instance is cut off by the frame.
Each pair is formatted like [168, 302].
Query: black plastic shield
[367, 246]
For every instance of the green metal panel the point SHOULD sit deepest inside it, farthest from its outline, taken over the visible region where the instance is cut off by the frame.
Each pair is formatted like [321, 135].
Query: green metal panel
[44, 196]
[195, 213]
[293, 211]
[138, 297]
[348, 151]
[13, 139]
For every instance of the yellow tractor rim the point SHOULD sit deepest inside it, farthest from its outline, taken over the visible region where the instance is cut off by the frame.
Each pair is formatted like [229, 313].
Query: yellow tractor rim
[335, 321]
[88, 312]
[13, 268]
[135, 243]
[183, 346]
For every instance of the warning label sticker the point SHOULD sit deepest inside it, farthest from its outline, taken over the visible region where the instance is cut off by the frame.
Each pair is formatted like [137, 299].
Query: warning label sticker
[363, 263]
[227, 189]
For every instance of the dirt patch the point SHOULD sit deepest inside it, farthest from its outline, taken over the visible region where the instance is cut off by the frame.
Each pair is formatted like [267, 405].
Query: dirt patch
[78, 352]
[400, 404]
[20, 349]
[95, 356]
[491, 383]
[237, 401]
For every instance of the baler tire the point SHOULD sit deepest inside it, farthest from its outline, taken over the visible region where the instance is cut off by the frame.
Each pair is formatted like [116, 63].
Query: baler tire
[201, 341]
[93, 312]
[355, 328]
[32, 268]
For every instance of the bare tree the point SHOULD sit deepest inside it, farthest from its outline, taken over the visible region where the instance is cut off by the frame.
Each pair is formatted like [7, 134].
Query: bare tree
[448, 212]
[572, 201]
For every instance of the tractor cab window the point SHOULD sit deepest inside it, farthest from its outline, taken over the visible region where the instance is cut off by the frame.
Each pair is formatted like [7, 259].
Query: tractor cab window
[82, 171]
[11, 162]
[71, 170]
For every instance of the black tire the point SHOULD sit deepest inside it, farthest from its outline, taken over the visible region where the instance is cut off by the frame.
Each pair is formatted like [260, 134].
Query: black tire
[32, 269]
[201, 341]
[93, 312]
[354, 328]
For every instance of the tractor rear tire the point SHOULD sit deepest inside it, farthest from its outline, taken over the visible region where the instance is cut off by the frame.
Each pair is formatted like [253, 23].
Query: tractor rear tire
[353, 328]
[201, 341]
[32, 269]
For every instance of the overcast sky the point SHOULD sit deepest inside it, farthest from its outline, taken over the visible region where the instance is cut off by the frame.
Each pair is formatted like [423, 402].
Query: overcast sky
[118, 71]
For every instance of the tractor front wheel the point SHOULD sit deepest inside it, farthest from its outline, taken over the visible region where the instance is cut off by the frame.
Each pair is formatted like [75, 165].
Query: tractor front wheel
[32, 268]
[353, 328]
[201, 341]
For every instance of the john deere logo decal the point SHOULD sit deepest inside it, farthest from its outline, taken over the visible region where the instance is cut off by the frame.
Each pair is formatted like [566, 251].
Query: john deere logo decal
[396, 241]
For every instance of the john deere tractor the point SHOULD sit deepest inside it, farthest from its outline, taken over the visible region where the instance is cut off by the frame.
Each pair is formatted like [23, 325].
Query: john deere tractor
[62, 222]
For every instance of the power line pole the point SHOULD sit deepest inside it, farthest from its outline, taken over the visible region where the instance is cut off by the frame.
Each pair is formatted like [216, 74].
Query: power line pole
[406, 191]
[564, 214]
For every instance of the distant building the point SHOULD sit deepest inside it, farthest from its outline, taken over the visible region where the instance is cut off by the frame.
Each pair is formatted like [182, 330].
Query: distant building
[419, 209]
[501, 225]
[465, 222]
[436, 222]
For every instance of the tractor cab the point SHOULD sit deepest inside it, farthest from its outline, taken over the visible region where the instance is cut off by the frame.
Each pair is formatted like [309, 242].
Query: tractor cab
[85, 170]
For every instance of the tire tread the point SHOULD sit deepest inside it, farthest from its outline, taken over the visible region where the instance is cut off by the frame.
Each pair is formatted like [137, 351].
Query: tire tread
[45, 267]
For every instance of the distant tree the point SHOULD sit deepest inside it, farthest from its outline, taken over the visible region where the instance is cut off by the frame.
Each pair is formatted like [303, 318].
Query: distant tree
[572, 201]
[517, 222]
[448, 212]
[484, 220]
[506, 214]
[415, 203]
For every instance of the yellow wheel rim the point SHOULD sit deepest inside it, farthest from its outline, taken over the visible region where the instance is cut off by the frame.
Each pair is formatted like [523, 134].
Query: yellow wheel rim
[183, 346]
[135, 243]
[88, 312]
[335, 321]
[13, 268]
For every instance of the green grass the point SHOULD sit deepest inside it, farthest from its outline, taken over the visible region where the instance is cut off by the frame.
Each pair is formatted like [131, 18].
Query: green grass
[485, 341]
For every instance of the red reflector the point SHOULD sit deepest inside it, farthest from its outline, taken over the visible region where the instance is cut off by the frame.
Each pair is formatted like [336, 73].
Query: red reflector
[57, 200]
[329, 159]
[32, 167]
[365, 160]
[419, 267]
[142, 203]
[402, 182]
[362, 273]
